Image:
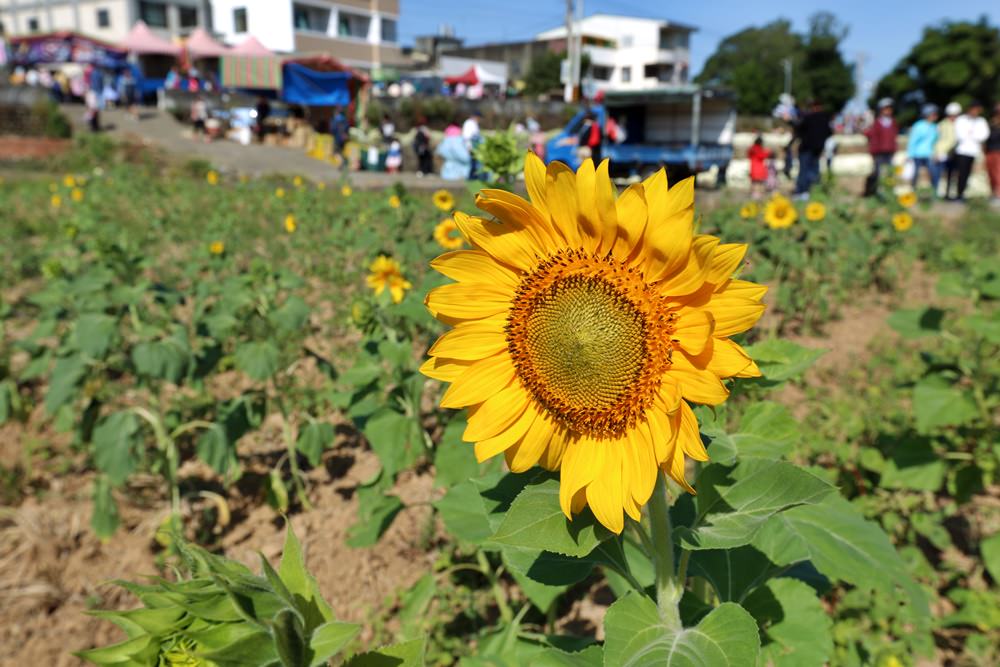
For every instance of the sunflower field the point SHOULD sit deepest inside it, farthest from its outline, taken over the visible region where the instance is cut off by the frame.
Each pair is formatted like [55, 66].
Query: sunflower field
[274, 421]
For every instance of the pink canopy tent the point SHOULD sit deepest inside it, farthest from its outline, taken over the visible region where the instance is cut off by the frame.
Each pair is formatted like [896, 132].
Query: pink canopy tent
[201, 45]
[143, 41]
[251, 46]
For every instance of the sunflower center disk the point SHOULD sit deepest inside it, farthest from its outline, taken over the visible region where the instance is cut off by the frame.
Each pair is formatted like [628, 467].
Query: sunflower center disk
[584, 344]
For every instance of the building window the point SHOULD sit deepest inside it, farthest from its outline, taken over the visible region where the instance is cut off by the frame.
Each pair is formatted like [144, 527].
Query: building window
[626, 74]
[389, 31]
[664, 73]
[188, 16]
[306, 17]
[103, 18]
[353, 25]
[32, 24]
[673, 39]
[154, 14]
[600, 72]
[626, 41]
[240, 19]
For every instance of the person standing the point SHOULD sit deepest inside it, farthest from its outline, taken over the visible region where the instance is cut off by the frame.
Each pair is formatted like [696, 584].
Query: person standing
[944, 147]
[758, 156]
[812, 133]
[881, 136]
[471, 135]
[456, 161]
[262, 111]
[422, 147]
[920, 145]
[339, 128]
[971, 130]
[993, 156]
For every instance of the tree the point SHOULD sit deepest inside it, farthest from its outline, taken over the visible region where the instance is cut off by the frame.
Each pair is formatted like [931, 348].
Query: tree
[543, 74]
[951, 62]
[751, 63]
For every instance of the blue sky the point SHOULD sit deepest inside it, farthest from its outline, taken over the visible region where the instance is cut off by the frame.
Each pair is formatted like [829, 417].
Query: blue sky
[883, 29]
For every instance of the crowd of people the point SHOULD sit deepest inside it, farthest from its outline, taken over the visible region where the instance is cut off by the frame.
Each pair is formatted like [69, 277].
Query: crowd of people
[96, 87]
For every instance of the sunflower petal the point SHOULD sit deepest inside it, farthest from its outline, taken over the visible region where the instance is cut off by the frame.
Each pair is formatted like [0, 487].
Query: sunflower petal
[725, 261]
[496, 414]
[533, 444]
[472, 340]
[730, 360]
[516, 212]
[604, 493]
[480, 381]
[468, 301]
[606, 195]
[694, 329]
[560, 194]
[733, 314]
[630, 209]
[689, 437]
[511, 245]
[534, 181]
[692, 274]
[445, 370]
[474, 266]
[487, 449]
[582, 461]
[590, 217]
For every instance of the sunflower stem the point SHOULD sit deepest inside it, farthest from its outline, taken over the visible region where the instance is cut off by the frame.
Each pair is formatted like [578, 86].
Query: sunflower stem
[668, 590]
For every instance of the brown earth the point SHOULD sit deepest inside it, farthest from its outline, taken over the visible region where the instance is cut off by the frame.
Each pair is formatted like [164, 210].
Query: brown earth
[14, 148]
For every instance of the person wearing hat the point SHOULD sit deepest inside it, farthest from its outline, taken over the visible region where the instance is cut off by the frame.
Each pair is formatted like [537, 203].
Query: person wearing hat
[971, 130]
[993, 155]
[920, 145]
[881, 144]
[944, 148]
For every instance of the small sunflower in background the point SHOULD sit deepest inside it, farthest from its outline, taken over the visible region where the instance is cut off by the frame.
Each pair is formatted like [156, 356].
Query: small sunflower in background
[280, 193]
[902, 221]
[907, 199]
[55, 201]
[815, 211]
[749, 210]
[290, 225]
[346, 191]
[217, 247]
[76, 195]
[53, 187]
[780, 213]
[69, 181]
[212, 177]
[444, 200]
[394, 201]
[321, 186]
[447, 234]
[297, 181]
[386, 274]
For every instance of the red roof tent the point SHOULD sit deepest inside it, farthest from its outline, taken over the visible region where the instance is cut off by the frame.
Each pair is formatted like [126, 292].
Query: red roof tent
[469, 78]
[250, 46]
[143, 41]
[326, 63]
[201, 45]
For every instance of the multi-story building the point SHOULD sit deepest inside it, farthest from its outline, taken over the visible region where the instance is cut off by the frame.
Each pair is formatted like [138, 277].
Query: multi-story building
[109, 20]
[360, 33]
[625, 52]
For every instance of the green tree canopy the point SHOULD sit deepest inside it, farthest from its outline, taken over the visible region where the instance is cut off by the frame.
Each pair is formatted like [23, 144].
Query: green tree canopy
[951, 62]
[543, 74]
[750, 62]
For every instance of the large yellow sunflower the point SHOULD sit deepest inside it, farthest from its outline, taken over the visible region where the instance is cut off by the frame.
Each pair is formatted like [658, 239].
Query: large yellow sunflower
[448, 235]
[444, 200]
[815, 211]
[386, 274]
[584, 325]
[780, 212]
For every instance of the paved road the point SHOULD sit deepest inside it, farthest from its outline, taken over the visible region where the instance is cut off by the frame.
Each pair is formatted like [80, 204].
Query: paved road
[162, 130]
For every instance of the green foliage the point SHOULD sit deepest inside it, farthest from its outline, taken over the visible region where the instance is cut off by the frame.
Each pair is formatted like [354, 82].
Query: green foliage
[543, 74]
[501, 156]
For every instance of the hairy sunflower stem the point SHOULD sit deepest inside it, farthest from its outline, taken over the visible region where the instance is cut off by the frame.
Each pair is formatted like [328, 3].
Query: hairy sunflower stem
[668, 589]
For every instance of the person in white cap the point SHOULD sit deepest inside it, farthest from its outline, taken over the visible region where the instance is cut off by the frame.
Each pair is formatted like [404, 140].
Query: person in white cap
[971, 130]
[945, 145]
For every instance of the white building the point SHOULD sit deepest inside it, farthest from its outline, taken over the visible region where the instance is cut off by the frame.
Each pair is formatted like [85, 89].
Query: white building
[108, 20]
[360, 33]
[629, 53]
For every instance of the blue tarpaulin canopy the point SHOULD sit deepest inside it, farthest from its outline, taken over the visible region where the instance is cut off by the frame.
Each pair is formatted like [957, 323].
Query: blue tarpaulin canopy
[302, 85]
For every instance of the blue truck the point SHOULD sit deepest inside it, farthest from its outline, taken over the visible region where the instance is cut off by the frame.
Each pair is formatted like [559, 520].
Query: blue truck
[686, 129]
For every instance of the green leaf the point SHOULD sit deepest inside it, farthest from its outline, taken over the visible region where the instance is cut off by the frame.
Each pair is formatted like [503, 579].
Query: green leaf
[766, 429]
[166, 359]
[636, 637]
[376, 512]
[414, 604]
[535, 521]
[131, 649]
[936, 404]
[393, 437]
[842, 545]
[258, 360]
[916, 322]
[464, 513]
[286, 628]
[781, 360]
[104, 513]
[330, 639]
[313, 439]
[733, 573]
[454, 460]
[115, 447]
[551, 568]
[65, 376]
[215, 449]
[404, 654]
[94, 334]
[301, 584]
[292, 316]
[913, 465]
[795, 625]
[990, 549]
[745, 497]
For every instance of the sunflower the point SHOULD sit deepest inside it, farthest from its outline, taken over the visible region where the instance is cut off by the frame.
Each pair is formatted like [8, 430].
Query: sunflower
[394, 201]
[212, 177]
[902, 221]
[386, 274]
[584, 326]
[907, 199]
[55, 201]
[297, 181]
[320, 185]
[447, 234]
[53, 187]
[279, 193]
[217, 247]
[780, 213]
[290, 225]
[749, 210]
[69, 181]
[76, 195]
[815, 211]
[346, 191]
[444, 200]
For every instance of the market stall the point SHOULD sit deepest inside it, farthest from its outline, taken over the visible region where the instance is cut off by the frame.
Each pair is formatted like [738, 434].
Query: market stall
[153, 54]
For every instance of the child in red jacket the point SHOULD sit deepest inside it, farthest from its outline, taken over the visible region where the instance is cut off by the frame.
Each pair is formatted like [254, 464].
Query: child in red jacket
[758, 156]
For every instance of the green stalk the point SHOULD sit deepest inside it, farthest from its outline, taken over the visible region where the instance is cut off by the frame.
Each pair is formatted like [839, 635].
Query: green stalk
[668, 590]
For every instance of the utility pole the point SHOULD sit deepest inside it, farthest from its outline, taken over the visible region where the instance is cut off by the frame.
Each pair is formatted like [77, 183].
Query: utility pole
[787, 63]
[570, 50]
[859, 80]
[578, 64]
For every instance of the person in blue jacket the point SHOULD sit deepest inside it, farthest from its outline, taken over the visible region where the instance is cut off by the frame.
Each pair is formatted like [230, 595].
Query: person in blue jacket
[456, 157]
[920, 145]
